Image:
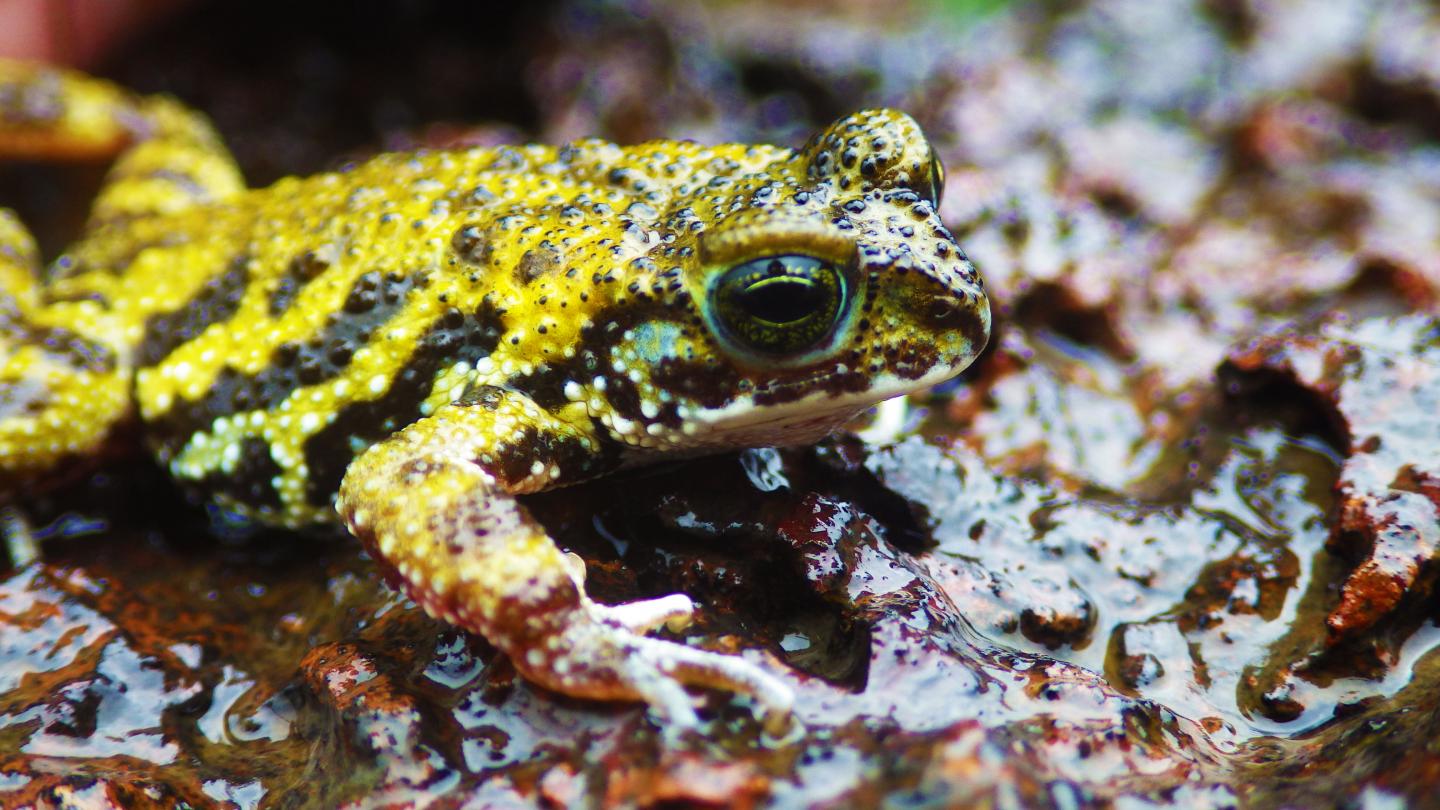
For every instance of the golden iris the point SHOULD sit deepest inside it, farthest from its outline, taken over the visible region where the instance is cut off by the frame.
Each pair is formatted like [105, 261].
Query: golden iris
[779, 305]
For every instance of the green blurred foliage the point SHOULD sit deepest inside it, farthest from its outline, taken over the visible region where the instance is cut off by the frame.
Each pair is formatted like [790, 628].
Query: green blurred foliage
[965, 11]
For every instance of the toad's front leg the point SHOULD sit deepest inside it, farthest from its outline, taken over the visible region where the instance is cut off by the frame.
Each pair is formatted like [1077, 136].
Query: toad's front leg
[436, 504]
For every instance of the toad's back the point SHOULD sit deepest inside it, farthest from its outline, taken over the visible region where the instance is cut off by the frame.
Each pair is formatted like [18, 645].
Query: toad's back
[280, 331]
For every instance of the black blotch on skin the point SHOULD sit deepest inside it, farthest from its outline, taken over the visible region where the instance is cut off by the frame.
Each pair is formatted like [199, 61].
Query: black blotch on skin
[374, 299]
[516, 459]
[231, 393]
[975, 331]
[215, 302]
[70, 348]
[302, 270]
[375, 295]
[283, 296]
[456, 336]
[712, 386]
[545, 386]
[74, 349]
[576, 463]
[624, 397]
[252, 481]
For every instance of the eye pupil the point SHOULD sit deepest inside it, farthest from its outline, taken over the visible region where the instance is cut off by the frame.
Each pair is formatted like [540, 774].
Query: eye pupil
[940, 311]
[782, 300]
[778, 305]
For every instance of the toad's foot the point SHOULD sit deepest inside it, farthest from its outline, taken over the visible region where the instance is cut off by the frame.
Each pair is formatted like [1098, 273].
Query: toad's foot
[435, 503]
[603, 655]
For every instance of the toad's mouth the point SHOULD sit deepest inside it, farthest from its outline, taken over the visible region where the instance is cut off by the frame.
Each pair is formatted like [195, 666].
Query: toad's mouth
[803, 411]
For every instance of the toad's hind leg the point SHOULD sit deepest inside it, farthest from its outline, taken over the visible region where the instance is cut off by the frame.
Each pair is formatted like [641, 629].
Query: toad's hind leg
[167, 156]
[65, 356]
[436, 504]
[63, 388]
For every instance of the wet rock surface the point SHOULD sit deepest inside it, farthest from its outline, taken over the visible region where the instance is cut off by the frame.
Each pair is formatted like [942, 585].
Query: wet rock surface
[1172, 539]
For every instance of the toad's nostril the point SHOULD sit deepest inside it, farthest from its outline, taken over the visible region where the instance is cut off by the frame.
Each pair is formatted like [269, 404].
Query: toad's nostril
[955, 316]
[942, 312]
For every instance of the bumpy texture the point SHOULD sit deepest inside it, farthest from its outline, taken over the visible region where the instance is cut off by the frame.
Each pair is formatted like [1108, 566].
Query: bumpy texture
[416, 340]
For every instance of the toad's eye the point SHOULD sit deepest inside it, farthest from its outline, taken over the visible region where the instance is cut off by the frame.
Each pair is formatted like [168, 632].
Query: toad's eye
[779, 305]
[937, 182]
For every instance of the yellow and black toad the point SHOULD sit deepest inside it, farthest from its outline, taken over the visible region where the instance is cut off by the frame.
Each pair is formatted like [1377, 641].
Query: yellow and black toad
[408, 344]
